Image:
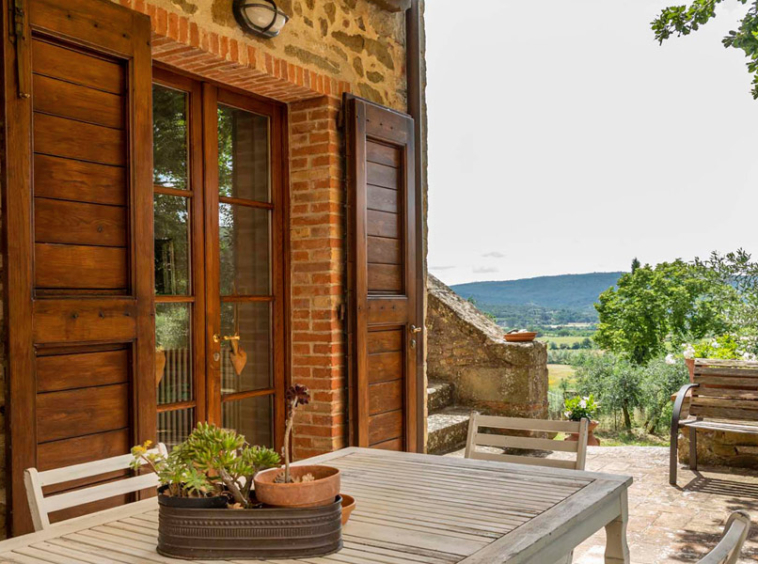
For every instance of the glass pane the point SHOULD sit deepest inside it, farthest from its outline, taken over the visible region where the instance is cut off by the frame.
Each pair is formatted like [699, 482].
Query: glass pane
[174, 426]
[243, 159]
[169, 137]
[244, 250]
[250, 367]
[174, 352]
[252, 418]
[172, 246]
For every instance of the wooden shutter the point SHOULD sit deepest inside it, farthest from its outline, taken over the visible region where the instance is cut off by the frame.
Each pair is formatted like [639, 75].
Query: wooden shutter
[77, 221]
[384, 329]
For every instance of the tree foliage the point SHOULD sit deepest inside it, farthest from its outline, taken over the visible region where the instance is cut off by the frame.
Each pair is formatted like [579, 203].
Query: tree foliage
[683, 20]
[652, 306]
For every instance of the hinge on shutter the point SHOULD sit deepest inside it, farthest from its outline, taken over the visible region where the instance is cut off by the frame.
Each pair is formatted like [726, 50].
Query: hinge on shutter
[18, 38]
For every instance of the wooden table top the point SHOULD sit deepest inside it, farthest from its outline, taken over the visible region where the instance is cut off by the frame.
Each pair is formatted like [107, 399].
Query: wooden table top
[409, 508]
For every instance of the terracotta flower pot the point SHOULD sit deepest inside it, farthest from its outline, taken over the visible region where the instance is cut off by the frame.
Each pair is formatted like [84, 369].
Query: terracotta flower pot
[690, 362]
[348, 504]
[321, 491]
[592, 440]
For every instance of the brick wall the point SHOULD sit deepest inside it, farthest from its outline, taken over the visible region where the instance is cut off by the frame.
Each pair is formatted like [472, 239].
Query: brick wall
[317, 273]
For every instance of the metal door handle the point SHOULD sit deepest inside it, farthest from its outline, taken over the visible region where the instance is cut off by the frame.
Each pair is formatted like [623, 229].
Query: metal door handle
[218, 339]
[414, 329]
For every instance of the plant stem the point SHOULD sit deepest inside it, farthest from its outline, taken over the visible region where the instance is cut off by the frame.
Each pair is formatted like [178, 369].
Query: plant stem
[231, 485]
[287, 438]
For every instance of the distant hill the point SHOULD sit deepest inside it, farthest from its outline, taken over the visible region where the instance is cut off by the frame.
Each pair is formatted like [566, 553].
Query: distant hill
[577, 292]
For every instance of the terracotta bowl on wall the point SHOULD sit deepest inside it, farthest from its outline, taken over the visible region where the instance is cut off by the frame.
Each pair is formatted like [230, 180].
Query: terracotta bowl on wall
[525, 337]
[321, 491]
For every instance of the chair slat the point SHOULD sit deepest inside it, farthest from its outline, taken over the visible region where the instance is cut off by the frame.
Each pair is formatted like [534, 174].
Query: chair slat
[102, 491]
[724, 413]
[532, 461]
[729, 381]
[524, 424]
[531, 443]
[88, 469]
[728, 403]
[41, 506]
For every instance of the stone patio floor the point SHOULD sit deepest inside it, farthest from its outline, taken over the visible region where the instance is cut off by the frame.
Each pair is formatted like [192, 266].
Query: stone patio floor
[667, 524]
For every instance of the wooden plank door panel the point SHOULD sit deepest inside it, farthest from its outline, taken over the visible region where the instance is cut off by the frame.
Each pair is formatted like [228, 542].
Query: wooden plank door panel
[382, 277]
[80, 308]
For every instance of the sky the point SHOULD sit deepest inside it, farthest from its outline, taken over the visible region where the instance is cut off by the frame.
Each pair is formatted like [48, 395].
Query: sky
[563, 139]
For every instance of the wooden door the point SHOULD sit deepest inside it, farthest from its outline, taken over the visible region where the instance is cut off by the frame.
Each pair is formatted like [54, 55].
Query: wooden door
[384, 326]
[77, 224]
[218, 259]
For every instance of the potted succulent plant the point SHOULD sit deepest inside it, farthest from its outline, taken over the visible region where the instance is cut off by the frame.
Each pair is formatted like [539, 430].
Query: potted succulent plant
[299, 486]
[578, 408]
[213, 468]
[207, 508]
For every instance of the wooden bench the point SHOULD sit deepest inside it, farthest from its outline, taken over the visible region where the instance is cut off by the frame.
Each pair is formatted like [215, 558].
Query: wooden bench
[724, 398]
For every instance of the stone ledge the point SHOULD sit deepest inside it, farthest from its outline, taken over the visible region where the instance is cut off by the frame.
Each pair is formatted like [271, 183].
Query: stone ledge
[468, 349]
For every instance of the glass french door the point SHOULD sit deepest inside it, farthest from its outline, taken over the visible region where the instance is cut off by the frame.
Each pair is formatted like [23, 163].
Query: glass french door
[218, 267]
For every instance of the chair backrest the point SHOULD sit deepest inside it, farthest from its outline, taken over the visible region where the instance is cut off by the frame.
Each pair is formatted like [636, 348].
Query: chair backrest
[476, 438]
[727, 551]
[42, 506]
[728, 390]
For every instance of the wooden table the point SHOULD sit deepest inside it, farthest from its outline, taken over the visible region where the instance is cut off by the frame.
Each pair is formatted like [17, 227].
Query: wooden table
[411, 508]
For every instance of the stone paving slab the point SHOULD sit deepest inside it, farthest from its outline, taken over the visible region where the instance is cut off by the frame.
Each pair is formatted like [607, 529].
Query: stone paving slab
[670, 525]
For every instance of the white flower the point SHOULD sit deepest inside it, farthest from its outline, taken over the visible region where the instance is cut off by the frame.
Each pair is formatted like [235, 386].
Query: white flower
[689, 351]
[748, 356]
[715, 344]
[583, 404]
[567, 414]
[670, 359]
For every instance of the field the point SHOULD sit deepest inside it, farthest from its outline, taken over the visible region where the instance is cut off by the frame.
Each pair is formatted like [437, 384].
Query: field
[570, 340]
[558, 372]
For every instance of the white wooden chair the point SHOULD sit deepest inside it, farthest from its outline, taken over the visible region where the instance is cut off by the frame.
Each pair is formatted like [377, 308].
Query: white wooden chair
[727, 551]
[42, 506]
[476, 439]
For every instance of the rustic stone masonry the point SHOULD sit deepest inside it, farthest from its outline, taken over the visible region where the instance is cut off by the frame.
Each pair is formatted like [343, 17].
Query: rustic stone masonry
[467, 349]
[717, 448]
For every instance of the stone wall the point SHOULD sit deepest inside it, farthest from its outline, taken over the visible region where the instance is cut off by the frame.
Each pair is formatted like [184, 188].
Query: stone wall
[490, 375]
[327, 47]
[716, 448]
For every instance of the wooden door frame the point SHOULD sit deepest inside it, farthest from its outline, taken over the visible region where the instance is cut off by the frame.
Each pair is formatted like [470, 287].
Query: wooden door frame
[18, 239]
[196, 164]
[205, 149]
[357, 300]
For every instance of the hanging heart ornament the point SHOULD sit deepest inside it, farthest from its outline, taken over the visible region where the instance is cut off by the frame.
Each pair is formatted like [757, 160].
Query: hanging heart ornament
[238, 357]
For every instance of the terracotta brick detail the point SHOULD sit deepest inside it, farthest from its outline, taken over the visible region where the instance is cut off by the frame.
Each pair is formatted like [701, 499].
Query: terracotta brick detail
[184, 44]
[317, 274]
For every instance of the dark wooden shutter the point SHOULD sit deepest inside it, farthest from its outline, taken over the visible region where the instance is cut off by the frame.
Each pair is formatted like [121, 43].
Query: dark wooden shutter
[384, 331]
[77, 222]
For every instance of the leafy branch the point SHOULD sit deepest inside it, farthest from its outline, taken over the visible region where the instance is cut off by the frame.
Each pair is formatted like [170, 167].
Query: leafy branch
[683, 20]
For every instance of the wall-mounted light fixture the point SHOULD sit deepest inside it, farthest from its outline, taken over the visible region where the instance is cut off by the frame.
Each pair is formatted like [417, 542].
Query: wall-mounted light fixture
[261, 17]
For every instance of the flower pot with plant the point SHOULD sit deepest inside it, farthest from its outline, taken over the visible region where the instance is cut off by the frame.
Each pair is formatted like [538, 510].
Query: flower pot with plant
[297, 486]
[213, 468]
[207, 508]
[578, 408]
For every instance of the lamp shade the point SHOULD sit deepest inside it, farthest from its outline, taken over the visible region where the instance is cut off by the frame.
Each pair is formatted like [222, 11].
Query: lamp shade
[261, 17]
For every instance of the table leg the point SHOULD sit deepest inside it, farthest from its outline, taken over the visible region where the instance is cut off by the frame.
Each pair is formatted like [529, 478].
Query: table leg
[616, 549]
